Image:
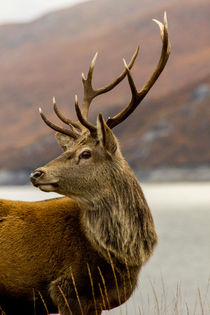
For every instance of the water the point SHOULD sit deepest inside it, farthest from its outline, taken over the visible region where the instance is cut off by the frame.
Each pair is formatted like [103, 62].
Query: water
[181, 262]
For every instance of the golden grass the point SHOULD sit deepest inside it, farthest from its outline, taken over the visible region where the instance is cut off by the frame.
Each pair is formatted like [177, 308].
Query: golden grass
[43, 301]
[65, 300]
[156, 302]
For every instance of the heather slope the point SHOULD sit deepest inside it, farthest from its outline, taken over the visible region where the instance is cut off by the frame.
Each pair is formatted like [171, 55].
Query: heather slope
[46, 57]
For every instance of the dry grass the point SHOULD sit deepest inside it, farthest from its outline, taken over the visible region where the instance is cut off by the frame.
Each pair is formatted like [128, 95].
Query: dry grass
[157, 301]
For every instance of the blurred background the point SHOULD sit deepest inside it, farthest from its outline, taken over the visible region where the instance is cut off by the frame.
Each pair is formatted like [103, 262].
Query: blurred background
[44, 48]
[168, 136]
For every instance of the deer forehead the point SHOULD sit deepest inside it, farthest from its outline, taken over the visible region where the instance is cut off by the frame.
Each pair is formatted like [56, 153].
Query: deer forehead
[85, 143]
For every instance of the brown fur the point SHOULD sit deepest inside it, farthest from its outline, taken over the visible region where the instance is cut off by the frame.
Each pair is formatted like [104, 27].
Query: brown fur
[105, 224]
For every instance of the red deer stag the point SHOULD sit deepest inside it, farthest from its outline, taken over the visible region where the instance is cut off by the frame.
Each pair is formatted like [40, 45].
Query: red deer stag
[80, 254]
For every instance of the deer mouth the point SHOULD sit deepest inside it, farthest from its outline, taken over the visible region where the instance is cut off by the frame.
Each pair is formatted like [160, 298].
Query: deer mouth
[42, 183]
[47, 187]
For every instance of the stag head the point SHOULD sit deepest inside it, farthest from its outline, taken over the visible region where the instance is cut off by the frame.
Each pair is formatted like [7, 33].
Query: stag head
[92, 156]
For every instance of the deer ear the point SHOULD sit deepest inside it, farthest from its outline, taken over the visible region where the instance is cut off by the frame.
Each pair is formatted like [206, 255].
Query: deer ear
[105, 135]
[64, 141]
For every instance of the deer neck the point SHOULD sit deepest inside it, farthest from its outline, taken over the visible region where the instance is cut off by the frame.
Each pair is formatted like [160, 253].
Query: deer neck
[119, 222]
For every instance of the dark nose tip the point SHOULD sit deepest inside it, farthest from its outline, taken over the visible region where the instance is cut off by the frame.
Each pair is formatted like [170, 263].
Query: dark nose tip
[35, 176]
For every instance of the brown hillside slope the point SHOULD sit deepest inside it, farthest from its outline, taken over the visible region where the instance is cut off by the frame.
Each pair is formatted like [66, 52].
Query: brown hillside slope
[46, 57]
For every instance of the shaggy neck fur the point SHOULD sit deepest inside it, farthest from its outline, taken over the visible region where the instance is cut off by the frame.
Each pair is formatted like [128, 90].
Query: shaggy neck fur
[119, 221]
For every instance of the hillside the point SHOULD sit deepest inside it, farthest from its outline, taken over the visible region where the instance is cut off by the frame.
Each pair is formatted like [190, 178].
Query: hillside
[46, 57]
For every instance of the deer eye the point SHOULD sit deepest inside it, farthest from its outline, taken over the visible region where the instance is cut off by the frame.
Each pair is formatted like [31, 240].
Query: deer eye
[85, 155]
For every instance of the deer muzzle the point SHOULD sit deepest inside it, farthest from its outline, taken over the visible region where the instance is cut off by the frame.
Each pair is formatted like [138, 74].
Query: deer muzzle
[38, 179]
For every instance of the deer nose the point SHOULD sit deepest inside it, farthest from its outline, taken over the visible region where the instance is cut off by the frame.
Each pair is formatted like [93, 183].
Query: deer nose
[35, 176]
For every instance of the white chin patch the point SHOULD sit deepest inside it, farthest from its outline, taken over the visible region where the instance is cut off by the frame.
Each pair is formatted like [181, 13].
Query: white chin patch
[47, 188]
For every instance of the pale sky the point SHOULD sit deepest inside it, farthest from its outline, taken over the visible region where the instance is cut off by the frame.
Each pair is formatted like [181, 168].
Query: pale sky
[26, 10]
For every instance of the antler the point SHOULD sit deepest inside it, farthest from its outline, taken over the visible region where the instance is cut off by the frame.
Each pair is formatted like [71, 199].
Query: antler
[137, 96]
[57, 128]
[89, 94]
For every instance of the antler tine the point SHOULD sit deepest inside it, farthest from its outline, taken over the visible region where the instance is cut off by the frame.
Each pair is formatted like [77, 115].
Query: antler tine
[57, 128]
[90, 93]
[137, 96]
[121, 76]
[82, 120]
[67, 121]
